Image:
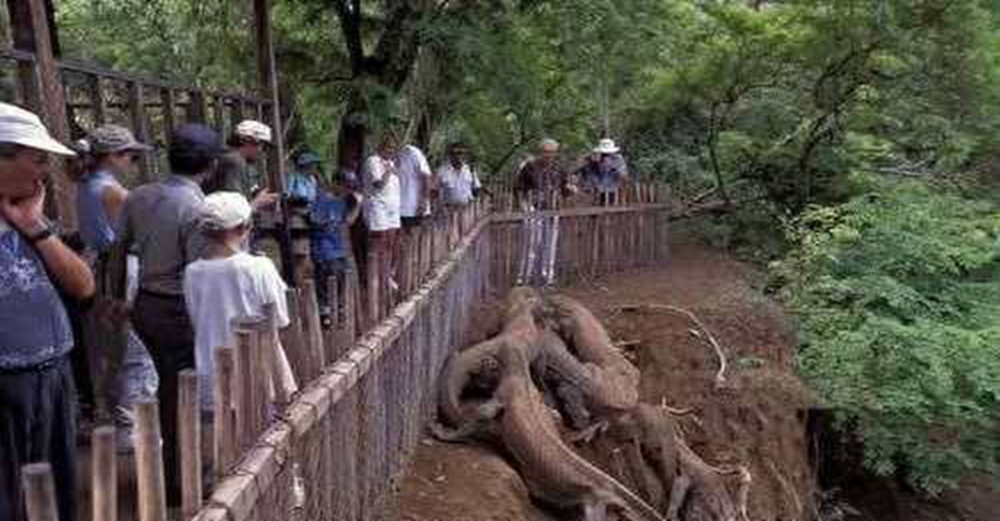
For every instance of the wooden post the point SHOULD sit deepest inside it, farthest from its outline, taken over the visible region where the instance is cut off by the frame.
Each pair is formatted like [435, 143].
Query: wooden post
[225, 428]
[96, 87]
[39, 492]
[196, 107]
[169, 110]
[41, 83]
[312, 332]
[267, 81]
[137, 114]
[189, 441]
[104, 474]
[293, 338]
[149, 462]
[218, 114]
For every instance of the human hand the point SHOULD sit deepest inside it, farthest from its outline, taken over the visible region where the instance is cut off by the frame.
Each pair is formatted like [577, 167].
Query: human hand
[26, 214]
[264, 199]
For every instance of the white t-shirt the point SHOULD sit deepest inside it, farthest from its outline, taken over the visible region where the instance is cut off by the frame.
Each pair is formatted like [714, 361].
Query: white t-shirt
[219, 291]
[414, 171]
[457, 184]
[381, 208]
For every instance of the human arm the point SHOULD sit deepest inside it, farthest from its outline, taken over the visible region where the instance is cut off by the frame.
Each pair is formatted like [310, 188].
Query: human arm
[67, 269]
[113, 198]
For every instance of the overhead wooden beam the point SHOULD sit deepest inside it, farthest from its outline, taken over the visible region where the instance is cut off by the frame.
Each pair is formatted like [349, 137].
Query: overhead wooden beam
[42, 86]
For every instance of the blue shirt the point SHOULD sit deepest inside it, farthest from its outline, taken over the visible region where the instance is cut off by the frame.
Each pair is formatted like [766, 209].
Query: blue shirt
[34, 327]
[327, 214]
[302, 186]
[96, 228]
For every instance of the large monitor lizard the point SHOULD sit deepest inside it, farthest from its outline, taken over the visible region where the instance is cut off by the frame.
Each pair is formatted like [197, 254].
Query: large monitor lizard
[553, 472]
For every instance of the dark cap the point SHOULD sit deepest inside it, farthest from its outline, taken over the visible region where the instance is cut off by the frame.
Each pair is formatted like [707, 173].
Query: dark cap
[196, 141]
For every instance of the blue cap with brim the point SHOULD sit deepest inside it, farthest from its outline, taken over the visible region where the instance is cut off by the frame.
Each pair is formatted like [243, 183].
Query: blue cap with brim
[307, 159]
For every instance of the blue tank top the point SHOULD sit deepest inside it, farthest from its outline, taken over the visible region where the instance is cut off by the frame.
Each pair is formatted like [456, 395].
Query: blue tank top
[96, 228]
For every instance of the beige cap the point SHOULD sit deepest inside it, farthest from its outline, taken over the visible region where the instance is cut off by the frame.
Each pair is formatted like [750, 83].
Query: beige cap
[24, 128]
[225, 211]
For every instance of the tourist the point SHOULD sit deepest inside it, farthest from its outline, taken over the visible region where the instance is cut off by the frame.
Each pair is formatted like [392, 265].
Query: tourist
[330, 216]
[415, 179]
[160, 222]
[229, 284]
[458, 182]
[304, 182]
[604, 171]
[540, 183]
[120, 378]
[236, 170]
[37, 396]
[381, 208]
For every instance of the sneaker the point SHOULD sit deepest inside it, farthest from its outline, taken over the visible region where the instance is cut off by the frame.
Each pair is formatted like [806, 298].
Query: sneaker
[124, 441]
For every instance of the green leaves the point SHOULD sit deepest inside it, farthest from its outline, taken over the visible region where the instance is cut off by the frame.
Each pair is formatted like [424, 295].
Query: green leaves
[899, 304]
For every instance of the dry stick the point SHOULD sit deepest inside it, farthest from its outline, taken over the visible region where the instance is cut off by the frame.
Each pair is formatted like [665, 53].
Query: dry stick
[787, 486]
[720, 376]
[104, 472]
[39, 492]
[149, 462]
[189, 435]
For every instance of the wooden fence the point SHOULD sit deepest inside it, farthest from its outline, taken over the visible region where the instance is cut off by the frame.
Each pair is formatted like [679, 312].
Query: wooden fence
[336, 448]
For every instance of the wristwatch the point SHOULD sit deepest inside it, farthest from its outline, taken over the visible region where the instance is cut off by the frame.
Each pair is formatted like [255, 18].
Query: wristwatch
[40, 236]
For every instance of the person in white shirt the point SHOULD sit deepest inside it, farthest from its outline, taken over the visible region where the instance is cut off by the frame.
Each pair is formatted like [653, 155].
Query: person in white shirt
[229, 284]
[415, 179]
[459, 183]
[381, 209]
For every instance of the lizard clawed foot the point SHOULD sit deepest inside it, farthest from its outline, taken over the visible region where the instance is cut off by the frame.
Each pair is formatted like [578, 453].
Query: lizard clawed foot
[587, 434]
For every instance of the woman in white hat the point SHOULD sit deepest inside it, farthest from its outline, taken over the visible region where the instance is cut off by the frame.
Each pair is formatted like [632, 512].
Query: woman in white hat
[229, 284]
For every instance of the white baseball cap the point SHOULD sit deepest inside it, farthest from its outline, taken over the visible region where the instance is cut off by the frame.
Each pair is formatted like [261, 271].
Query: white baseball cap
[24, 128]
[254, 130]
[225, 211]
[607, 146]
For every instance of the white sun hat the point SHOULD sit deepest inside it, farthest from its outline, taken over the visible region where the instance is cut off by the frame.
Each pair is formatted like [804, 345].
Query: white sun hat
[225, 211]
[24, 128]
[607, 146]
[254, 130]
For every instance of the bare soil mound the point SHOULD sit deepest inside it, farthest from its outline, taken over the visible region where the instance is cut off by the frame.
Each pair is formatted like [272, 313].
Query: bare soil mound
[756, 418]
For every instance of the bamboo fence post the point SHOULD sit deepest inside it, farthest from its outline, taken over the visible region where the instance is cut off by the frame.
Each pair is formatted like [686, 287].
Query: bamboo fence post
[293, 338]
[39, 492]
[224, 425]
[104, 472]
[189, 434]
[314, 349]
[169, 110]
[149, 462]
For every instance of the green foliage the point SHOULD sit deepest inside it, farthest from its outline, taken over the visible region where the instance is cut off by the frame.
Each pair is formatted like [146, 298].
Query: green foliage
[898, 297]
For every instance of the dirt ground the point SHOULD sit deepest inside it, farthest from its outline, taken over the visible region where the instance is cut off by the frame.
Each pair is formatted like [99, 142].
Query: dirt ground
[756, 418]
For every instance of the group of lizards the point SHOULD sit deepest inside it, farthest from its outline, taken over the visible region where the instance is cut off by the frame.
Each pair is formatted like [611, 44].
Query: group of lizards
[552, 363]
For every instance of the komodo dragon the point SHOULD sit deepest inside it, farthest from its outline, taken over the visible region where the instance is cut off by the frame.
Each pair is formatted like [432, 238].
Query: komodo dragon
[587, 366]
[553, 472]
[480, 361]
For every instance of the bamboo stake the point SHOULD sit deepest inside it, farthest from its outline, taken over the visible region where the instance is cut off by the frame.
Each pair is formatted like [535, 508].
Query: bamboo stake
[149, 462]
[225, 428]
[39, 492]
[104, 473]
[189, 434]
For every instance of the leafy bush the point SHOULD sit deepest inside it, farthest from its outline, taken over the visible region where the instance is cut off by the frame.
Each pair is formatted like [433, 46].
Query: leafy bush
[898, 294]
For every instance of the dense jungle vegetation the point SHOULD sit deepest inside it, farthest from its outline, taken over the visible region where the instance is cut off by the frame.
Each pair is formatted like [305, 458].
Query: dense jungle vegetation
[851, 144]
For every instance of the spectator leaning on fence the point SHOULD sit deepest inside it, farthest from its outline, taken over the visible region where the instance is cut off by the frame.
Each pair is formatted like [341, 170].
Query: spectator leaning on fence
[161, 223]
[37, 396]
[415, 179]
[304, 181]
[121, 377]
[229, 284]
[381, 208]
[236, 170]
[330, 215]
[604, 171]
[540, 183]
[458, 182]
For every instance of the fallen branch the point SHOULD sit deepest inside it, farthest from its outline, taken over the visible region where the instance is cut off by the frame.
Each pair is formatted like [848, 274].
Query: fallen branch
[720, 375]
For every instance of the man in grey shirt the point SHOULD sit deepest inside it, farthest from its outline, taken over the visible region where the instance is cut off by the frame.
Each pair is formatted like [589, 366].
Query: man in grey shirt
[235, 171]
[160, 222]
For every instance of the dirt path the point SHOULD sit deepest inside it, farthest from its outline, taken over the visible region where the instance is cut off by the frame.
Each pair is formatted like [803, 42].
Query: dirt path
[756, 418]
